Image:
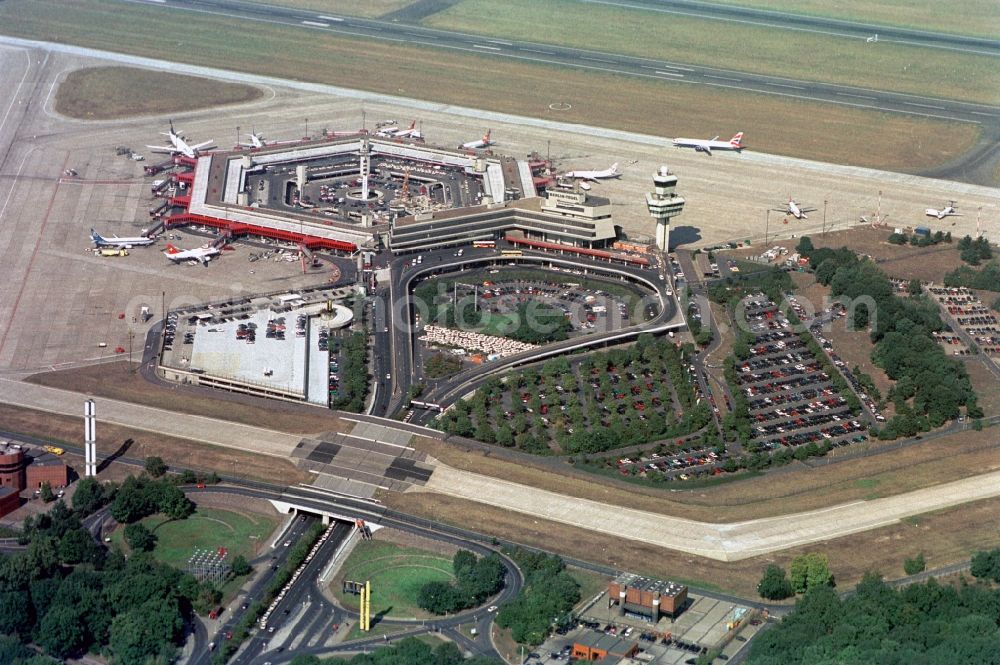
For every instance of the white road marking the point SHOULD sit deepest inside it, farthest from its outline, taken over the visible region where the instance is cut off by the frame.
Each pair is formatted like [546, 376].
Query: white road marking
[497, 41]
[17, 90]
[980, 113]
[316, 23]
[925, 106]
[332, 18]
[722, 78]
[785, 85]
[678, 67]
[535, 50]
[609, 62]
[670, 74]
[488, 48]
[845, 94]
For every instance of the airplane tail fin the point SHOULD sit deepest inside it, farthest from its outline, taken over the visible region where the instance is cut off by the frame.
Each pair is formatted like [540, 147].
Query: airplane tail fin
[171, 249]
[486, 136]
[95, 236]
[413, 125]
[737, 139]
[614, 167]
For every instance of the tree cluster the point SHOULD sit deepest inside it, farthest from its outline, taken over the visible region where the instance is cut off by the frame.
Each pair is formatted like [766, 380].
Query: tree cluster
[439, 365]
[476, 579]
[920, 624]
[774, 585]
[141, 496]
[353, 374]
[920, 239]
[930, 387]
[986, 565]
[808, 571]
[64, 594]
[986, 279]
[408, 651]
[772, 281]
[975, 251]
[549, 592]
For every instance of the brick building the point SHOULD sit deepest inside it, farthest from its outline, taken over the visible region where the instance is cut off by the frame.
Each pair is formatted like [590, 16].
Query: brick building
[647, 597]
[12, 464]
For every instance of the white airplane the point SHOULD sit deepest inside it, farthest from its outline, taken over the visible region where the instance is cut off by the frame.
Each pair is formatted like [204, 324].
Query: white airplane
[611, 172]
[203, 254]
[706, 146]
[256, 141]
[796, 210]
[946, 211]
[481, 143]
[410, 132]
[179, 145]
[115, 241]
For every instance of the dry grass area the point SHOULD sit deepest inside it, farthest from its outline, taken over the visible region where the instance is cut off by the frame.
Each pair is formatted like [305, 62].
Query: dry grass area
[114, 381]
[368, 8]
[784, 126]
[176, 452]
[928, 264]
[984, 382]
[944, 537]
[977, 17]
[792, 489]
[108, 93]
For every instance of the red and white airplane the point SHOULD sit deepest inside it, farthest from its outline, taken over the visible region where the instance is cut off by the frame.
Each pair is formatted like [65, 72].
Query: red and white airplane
[481, 143]
[946, 211]
[611, 172]
[203, 254]
[179, 145]
[410, 132]
[707, 146]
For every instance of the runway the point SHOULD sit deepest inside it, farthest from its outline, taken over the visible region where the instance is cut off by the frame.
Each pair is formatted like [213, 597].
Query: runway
[650, 69]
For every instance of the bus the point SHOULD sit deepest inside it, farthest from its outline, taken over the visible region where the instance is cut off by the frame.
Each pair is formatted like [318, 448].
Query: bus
[511, 252]
[484, 244]
[54, 450]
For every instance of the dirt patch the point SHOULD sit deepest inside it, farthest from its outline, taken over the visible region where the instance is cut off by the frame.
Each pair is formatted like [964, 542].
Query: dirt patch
[115, 381]
[928, 264]
[984, 382]
[181, 453]
[405, 539]
[944, 537]
[107, 93]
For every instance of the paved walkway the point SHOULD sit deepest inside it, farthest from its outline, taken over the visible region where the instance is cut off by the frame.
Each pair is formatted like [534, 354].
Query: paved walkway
[723, 542]
[170, 423]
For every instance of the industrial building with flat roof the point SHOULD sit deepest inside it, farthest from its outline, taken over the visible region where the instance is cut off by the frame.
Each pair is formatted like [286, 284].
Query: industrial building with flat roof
[648, 598]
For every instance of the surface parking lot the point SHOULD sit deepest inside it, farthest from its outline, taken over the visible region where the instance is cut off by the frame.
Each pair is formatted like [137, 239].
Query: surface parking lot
[791, 397]
[964, 308]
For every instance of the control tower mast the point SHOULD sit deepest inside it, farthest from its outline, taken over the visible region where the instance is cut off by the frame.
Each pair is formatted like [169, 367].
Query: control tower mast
[663, 203]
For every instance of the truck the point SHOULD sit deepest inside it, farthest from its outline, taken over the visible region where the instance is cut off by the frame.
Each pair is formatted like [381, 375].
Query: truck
[55, 450]
[111, 251]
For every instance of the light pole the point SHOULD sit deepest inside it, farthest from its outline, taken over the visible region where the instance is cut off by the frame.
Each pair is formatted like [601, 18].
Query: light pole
[824, 217]
[237, 136]
[767, 225]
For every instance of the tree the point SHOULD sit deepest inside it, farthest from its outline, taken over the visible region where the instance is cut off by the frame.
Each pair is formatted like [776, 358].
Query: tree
[46, 492]
[89, 496]
[805, 246]
[986, 565]
[913, 287]
[174, 504]
[305, 659]
[145, 632]
[808, 571]
[61, 631]
[241, 566]
[155, 466]
[17, 615]
[774, 585]
[915, 565]
[139, 538]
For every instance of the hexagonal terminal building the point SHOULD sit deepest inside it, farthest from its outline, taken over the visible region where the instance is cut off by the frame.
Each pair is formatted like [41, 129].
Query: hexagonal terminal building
[663, 203]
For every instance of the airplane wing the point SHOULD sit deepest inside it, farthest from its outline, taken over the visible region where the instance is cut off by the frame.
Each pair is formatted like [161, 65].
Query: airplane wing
[199, 146]
[707, 148]
[162, 148]
[715, 139]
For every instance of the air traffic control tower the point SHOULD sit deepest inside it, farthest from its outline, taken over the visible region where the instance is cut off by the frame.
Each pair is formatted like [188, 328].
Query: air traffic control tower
[663, 203]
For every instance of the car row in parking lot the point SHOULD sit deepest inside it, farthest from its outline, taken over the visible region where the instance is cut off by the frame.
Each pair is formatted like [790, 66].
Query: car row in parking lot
[975, 318]
[791, 397]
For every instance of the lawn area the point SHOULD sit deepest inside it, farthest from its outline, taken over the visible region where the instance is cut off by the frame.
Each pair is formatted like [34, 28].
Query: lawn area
[207, 528]
[972, 17]
[368, 8]
[590, 583]
[103, 93]
[810, 56]
[824, 132]
[396, 573]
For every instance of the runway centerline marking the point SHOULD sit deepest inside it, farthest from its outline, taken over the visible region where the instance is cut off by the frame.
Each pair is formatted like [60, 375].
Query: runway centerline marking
[925, 106]
[488, 48]
[785, 85]
[316, 24]
[722, 78]
[846, 94]
[670, 74]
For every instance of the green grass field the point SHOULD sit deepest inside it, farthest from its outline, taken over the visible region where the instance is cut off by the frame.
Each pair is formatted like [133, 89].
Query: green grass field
[968, 17]
[207, 528]
[396, 573]
[102, 93]
[781, 126]
[368, 8]
[759, 49]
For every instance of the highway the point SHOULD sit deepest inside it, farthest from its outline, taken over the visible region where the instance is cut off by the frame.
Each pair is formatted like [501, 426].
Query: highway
[651, 68]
